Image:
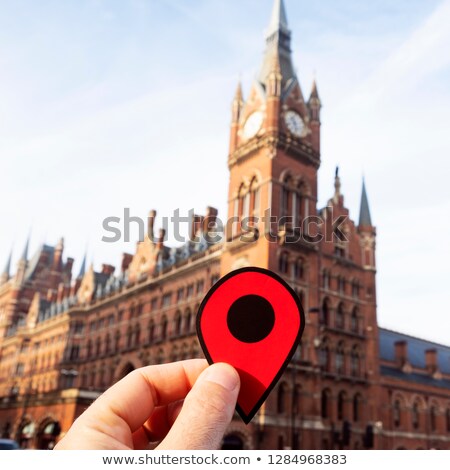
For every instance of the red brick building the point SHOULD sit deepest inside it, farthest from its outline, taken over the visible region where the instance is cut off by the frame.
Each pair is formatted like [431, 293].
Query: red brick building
[351, 384]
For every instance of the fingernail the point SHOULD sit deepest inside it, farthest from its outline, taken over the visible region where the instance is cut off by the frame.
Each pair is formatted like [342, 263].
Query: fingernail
[223, 375]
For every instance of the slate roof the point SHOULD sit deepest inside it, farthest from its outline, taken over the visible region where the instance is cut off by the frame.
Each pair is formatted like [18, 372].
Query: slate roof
[416, 350]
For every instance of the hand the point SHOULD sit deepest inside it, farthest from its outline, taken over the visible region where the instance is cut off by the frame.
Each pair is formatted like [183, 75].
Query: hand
[187, 405]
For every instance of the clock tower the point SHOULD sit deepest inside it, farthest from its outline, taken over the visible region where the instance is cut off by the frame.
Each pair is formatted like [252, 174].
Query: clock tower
[273, 158]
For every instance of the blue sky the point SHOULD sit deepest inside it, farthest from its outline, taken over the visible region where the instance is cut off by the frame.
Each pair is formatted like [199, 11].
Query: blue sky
[113, 104]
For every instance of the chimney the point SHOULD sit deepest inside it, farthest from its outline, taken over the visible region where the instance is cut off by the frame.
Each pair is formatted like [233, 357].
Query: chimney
[51, 295]
[431, 360]
[210, 219]
[401, 352]
[151, 225]
[57, 260]
[68, 266]
[108, 269]
[197, 222]
[162, 234]
[126, 260]
[61, 291]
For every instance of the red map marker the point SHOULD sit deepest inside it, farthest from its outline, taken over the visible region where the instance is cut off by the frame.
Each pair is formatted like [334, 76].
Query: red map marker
[252, 320]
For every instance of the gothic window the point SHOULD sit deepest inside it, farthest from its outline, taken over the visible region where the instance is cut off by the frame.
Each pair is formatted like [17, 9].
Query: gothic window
[447, 416]
[355, 362]
[137, 335]
[254, 197]
[357, 407]
[325, 312]
[129, 337]
[341, 405]
[415, 415]
[117, 341]
[89, 349]
[108, 344]
[177, 321]
[98, 347]
[325, 279]
[340, 359]
[151, 331]
[299, 269]
[354, 321]
[164, 328]
[396, 412]
[433, 418]
[325, 403]
[340, 316]
[281, 398]
[283, 263]
[296, 403]
[324, 356]
[187, 322]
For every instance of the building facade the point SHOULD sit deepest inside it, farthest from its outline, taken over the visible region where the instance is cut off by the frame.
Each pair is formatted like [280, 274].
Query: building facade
[350, 385]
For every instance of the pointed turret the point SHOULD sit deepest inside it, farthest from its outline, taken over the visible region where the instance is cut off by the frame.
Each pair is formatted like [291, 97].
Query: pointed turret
[278, 43]
[6, 272]
[236, 110]
[364, 213]
[83, 267]
[24, 256]
[238, 101]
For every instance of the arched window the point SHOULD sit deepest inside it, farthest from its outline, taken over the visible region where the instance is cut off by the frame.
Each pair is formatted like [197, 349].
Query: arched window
[340, 405]
[164, 328]
[129, 337]
[324, 356]
[325, 313]
[286, 198]
[354, 321]
[433, 418]
[340, 317]
[174, 354]
[187, 322]
[117, 341]
[447, 416]
[325, 403]
[177, 324]
[89, 349]
[340, 362]
[397, 413]
[283, 263]
[151, 331]
[325, 279]
[299, 269]
[357, 407]
[296, 401]
[108, 344]
[254, 197]
[415, 418]
[98, 347]
[281, 398]
[355, 363]
[137, 335]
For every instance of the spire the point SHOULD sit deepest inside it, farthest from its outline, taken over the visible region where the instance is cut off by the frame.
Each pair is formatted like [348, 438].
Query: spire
[6, 271]
[25, 250]
[337, 185]
[314, 92]
[278, 43]
[238, 97]
[364, 214]
[83, 267]
[278, 20]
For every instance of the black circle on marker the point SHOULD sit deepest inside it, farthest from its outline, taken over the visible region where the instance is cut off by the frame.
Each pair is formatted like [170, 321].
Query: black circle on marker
[251, 318]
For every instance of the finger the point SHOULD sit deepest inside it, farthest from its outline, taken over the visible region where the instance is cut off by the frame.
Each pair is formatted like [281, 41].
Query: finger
[134, 398]
[157, 427]
[207, 411]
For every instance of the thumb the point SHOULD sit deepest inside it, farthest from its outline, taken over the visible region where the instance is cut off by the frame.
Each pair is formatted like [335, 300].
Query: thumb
[207, 411]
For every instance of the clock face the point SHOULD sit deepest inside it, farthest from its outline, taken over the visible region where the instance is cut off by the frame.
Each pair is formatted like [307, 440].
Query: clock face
[253, 124]
[294, 123]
